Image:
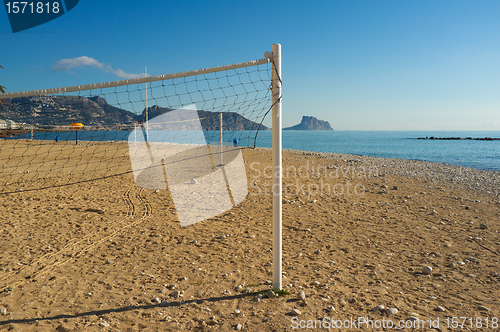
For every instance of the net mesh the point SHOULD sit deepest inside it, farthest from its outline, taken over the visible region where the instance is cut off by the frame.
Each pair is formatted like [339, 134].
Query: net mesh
[40, 147]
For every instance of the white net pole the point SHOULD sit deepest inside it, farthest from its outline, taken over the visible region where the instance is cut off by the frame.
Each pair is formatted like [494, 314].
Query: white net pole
[147, 125]
[221, 133]
[277, 166]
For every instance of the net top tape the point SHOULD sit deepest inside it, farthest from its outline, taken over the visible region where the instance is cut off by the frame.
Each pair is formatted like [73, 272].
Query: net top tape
[147, 79]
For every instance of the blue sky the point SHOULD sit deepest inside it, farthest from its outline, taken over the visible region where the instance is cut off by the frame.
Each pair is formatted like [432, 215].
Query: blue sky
[361, 65]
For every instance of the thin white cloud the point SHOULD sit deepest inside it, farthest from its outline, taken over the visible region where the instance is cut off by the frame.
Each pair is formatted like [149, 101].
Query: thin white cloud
[122, 74]
[67, 64]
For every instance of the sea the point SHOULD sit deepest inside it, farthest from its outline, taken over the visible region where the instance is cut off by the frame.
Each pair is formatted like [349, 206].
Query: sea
[479, 154]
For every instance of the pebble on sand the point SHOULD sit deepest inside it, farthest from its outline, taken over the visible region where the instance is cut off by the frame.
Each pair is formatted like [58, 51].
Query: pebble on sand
[380, 307]
[426, 270]
[295, 312]
[176, 293]
[238, 327]
[483, 226]
[62, 328]
[441, 308]
[483, 308]
[270, 294]
[301, 295]
[392, 311]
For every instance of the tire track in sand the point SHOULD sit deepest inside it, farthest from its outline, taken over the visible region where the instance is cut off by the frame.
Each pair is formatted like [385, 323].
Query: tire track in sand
[74, 249]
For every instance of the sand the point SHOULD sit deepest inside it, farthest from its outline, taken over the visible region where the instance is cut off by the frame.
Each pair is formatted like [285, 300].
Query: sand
[84, 249]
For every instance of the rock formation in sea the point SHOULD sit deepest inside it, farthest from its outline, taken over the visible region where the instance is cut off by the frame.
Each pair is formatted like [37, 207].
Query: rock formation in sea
[311, 123]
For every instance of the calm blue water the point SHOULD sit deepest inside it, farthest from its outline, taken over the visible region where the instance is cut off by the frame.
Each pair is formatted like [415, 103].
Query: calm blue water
[387, 144]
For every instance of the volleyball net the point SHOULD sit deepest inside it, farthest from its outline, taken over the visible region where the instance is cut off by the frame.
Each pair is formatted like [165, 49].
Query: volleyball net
[180, 132]
[77, 130]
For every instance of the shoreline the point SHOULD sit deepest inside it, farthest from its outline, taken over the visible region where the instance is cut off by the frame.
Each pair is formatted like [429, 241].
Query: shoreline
[486, 182]
[459, 156]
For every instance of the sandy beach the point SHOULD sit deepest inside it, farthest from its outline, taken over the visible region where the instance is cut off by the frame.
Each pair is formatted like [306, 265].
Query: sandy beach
[84, 249]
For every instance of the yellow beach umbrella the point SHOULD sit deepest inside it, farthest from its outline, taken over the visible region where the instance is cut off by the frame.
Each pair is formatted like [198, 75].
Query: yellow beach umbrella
[76, 126]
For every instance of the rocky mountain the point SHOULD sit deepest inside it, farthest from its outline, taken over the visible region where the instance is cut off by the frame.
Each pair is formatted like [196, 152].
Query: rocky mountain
[311, 123]
[97, 112]
[211, 120]
[63, 110]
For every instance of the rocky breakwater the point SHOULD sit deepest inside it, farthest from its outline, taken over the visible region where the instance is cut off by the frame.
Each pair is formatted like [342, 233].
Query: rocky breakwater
[460, 138]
